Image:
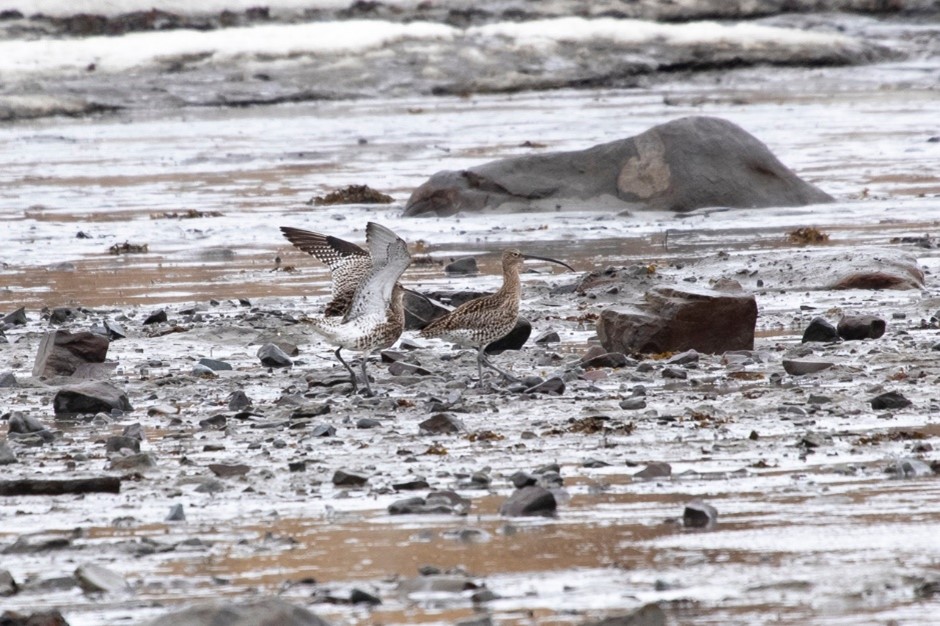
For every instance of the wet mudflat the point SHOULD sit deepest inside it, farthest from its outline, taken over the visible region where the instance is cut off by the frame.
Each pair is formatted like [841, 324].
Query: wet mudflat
[828, 507]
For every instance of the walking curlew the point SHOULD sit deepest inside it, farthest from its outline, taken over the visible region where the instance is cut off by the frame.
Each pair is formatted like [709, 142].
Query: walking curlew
[481, 321]
[375, 316]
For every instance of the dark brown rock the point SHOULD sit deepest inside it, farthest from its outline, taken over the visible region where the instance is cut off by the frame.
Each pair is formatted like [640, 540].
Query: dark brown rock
[679, 166]
[91, 397]
[854, 327]
[529, 501]
[674, 318]
[61, 352]
[698, 514]
[820, 329]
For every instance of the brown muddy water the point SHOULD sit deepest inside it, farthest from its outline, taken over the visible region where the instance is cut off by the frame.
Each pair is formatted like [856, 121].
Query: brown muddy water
[820, 520]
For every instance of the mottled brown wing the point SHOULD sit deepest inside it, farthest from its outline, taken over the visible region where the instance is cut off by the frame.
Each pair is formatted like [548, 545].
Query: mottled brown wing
[331, 251]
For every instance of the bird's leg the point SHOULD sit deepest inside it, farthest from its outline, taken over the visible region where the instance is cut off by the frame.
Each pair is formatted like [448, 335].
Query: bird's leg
[506, 375]
[352, 374]
[365, 376]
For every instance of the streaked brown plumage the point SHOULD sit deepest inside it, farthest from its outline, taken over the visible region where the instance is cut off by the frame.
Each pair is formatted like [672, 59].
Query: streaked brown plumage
[349, 264]
[483, 320]
[375, 317]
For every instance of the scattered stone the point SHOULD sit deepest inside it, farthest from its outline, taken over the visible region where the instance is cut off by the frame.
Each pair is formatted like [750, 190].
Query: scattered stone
[654, 471]
[554, 386]
[675, 373]
[890, 400]
[61, 352]
[813, 440]
[117, 443]
[323, 430]
[238, 401]
[367, 422]
[673, 318]
[90, 397]
[251, 613]
[139, 462]
[8, 586]
[679, 166]
[8, 380]
[272, 356]
[400, 368]
[683, 358]
[358, 596]
[514, 340]
[633, 403]
[55, 487]
[647, 615]
[215, 365]
[820, 330]
[522, 479]
[698, 514]
[436, 502]
[856, 327]
[463, 266]
[227, 471]
[7, 456]
[349, 478]
[24, 424]
[441, 424]
[549, 336]
[157, 317]
[39, 618]
[530, 501]
[176, 514]
[802, 367]
[215, 422]
[909, 468]
[612, 360]
[419, 312]
[93, 578]
[16, 318]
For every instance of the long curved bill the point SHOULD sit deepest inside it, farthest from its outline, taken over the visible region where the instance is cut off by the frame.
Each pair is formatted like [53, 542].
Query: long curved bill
[545, 258]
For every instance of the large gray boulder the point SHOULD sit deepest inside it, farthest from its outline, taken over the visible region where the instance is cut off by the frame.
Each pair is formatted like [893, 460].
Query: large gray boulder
[679, 166]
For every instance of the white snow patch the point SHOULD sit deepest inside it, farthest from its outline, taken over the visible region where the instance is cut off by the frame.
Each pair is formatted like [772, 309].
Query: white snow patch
[581, 30]
[115, 54]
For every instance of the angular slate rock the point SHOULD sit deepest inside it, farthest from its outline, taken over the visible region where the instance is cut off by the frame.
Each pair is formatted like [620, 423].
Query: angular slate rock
[549, 336]
[698, 514]
[890, 400]
[647, 615]
[612, 360]
[238, 401]
[820, 330]
[654, 470]
[157, 317]
[349, 478]
[441, 424]
[176, 514]
[8, 586]
[683, 358]
[94, 578]
[273, 356]
[7, 456]
[8, 380]
[223, 470]
[215, 365]
[90, 397]
[530, 501]
[263, 612]
[676, 318]
[138, 462]
[61, 352]
[16, 318]
[856, 327]
[38, 618]
[554, 386]
[514, 340]
[633, 403]
[420, 310]
[463, 266]
[679, 166]
[522, 479]
[117, 443]
[23, 424]
[802, 367]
